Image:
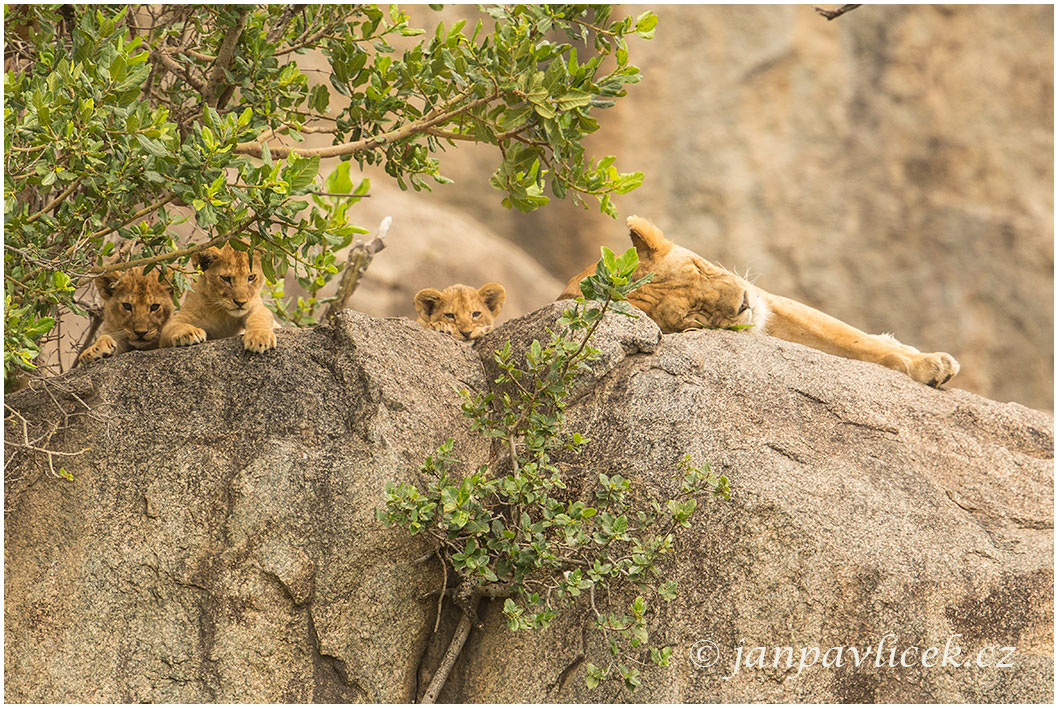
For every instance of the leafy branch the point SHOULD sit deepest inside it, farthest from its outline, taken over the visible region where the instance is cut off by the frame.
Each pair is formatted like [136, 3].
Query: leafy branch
[124, 122]
[511, 530]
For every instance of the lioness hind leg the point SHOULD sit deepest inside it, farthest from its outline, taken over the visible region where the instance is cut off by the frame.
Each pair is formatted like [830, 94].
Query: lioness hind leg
[103, 347]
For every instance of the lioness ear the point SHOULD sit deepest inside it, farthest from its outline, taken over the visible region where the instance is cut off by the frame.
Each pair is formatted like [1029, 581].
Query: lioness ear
[650, 243]
[204, 258]
[428, 300]
[105, 284]
[494, 296]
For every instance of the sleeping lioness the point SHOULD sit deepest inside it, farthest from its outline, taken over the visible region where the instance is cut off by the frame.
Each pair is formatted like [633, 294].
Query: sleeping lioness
[688, 292]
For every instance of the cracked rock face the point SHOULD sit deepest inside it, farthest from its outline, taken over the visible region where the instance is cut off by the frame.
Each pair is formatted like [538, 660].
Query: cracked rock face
[218, 543]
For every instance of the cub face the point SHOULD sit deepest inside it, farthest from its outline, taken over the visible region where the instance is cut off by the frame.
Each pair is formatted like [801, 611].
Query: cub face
[135, 304]
[229, 279]
[459, 310]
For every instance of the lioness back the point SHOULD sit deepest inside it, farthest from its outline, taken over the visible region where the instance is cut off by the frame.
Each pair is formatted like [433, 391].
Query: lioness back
[463, 312]
[136, 307]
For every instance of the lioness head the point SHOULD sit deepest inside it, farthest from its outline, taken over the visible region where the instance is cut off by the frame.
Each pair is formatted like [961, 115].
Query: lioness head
[687, 292]
[229, 280]
[137, 304]
[460, 311]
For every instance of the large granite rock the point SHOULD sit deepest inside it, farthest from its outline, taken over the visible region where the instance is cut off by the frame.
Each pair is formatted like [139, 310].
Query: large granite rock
[893, 167]
[217, 542]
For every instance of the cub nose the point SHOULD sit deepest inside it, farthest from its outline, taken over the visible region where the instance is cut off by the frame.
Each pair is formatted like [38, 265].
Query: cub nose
[465, 333]
[238, 303]
[140, 333]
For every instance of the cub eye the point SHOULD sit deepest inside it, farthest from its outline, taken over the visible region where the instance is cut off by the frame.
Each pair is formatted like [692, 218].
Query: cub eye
[252, 277]
[476, 314]
[127, 306]
[450, 316]
[154, 306]
[226, 279]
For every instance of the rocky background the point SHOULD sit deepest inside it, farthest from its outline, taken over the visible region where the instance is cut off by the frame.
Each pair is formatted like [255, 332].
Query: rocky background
[893, 167]
[217, 539]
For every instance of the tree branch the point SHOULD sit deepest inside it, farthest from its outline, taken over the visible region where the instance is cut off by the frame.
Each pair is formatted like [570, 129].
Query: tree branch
[157, 258]
[360, 258]
[224, 55]
[253, 148]
[179, 69]
[57, 201]
[166, 198]
[449, 660]
[835, 14]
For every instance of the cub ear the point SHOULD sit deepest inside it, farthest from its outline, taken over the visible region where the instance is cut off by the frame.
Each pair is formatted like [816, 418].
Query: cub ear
[494, 296]
[427, 301]
[203, 259]
[105, 284]
[650, 243]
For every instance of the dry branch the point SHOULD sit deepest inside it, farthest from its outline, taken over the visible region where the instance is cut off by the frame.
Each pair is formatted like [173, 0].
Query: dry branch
[835, 14]
[360, 257]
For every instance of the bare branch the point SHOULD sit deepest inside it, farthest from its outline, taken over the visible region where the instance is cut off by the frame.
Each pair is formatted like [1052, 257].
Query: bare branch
[834, 14]
[449, 660]
[360, 257]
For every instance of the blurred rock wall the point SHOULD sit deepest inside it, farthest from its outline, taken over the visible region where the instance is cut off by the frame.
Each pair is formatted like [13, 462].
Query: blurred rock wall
[893, 167]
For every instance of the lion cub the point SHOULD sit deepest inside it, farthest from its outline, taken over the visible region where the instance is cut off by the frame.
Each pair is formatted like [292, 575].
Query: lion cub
[135, 308]
[226, 300]
[459, 310]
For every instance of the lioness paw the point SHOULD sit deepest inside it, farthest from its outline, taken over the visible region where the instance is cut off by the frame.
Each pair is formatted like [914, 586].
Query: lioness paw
[259, 340]
[934, 369]
[103, 347]
[183, 335]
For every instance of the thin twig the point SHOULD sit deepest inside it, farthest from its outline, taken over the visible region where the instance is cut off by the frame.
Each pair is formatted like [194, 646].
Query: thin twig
[173, 255]
[29, 446]
[441, 595]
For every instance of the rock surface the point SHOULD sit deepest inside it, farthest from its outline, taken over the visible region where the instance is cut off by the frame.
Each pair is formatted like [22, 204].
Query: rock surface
[217, 543]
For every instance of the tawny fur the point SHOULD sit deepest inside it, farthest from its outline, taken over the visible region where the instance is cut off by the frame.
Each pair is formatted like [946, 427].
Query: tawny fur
[463, 312]
[688, 292]
[225, 301]
[136, 306]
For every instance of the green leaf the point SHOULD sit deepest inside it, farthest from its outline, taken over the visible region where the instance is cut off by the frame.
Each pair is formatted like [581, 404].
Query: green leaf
[153, 147]
[338, 181]
[301, 172]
